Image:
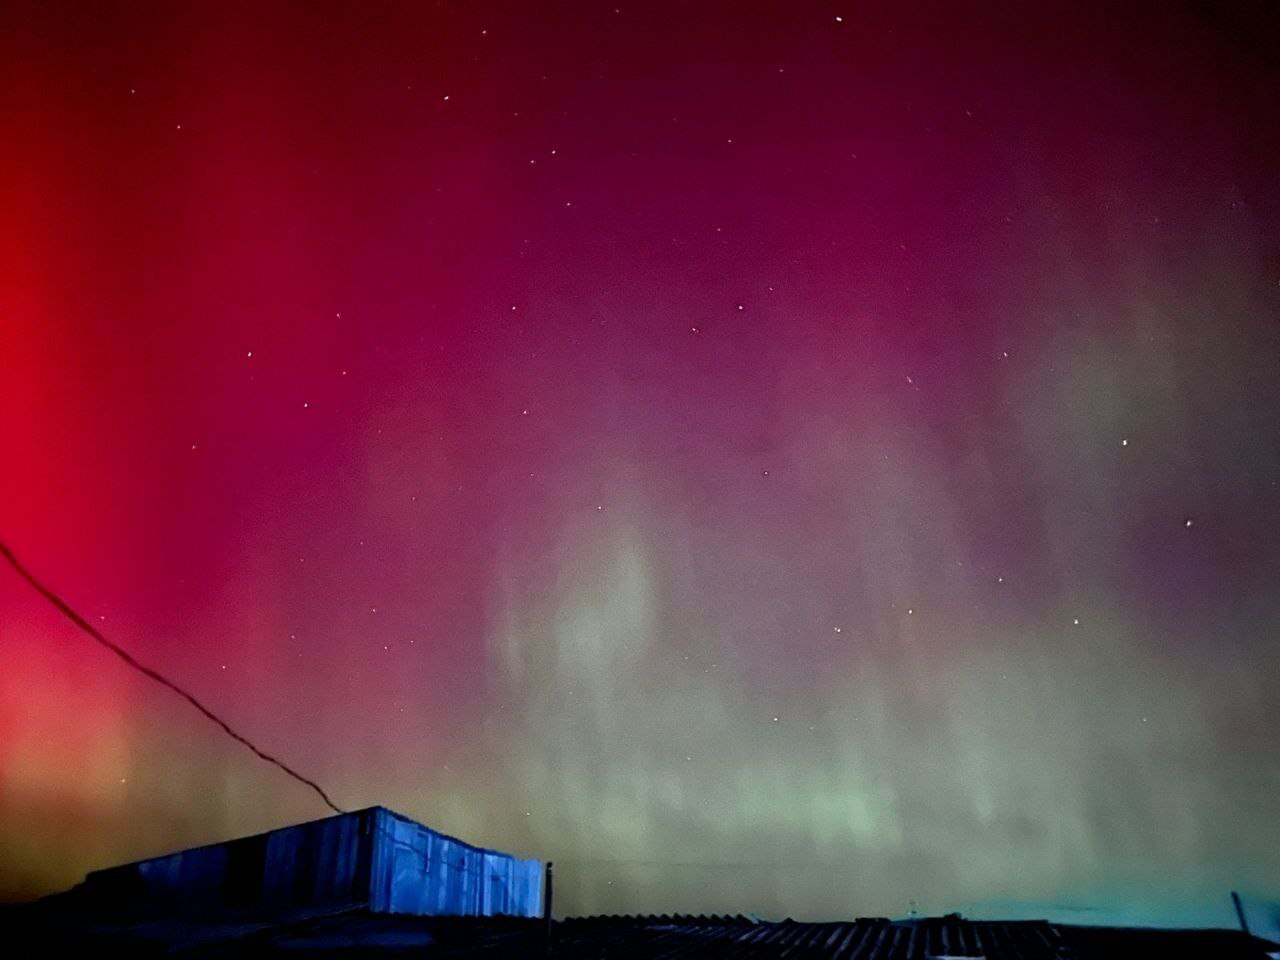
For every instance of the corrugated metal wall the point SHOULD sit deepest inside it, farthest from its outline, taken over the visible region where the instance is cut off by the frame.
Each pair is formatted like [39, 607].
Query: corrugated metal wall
[324, 863]
[372, 858]
[416, 870]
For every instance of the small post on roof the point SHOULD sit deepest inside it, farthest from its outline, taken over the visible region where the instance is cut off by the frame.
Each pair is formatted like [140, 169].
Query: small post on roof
[546, 904]
[1244, 924]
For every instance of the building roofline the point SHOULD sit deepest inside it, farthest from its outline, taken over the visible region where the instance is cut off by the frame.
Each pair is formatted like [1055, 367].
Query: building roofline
[304, 823]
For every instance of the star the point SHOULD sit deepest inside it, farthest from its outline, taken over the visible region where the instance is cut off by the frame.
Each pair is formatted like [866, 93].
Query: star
[1188, 523]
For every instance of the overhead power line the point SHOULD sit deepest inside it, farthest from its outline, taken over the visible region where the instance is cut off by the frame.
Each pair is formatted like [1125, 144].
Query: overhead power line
[159, 678]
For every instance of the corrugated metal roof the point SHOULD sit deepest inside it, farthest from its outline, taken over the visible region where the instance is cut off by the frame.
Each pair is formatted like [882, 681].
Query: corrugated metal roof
[866, 939]
[363, 933]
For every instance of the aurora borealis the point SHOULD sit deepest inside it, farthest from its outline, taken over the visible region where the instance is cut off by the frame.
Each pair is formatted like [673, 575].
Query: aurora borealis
[796, 458]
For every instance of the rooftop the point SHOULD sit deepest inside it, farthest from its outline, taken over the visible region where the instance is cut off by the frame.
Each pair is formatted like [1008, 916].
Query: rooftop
[361, 933]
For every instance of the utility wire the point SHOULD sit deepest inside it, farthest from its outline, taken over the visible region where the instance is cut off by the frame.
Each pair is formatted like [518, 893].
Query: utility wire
[159, 678]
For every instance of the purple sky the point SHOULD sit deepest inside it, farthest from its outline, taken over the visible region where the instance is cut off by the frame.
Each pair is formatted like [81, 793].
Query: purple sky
[763, 457]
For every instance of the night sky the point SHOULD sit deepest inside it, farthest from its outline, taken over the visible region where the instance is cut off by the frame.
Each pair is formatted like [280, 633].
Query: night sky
[803, 458]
